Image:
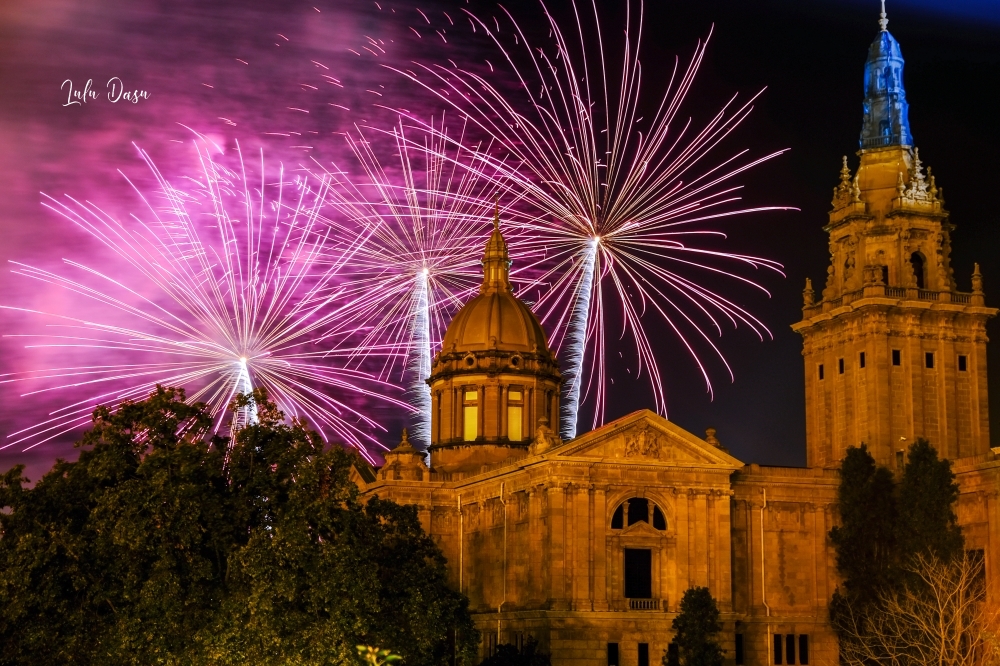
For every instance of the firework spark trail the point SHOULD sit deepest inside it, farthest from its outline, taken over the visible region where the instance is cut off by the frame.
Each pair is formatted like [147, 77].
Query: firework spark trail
[413, 240]
[420, 356]
[617, 204]
[577, 334]
[240, 300]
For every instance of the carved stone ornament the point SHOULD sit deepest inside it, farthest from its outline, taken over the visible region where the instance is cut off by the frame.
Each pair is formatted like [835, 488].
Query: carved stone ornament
[645, 442]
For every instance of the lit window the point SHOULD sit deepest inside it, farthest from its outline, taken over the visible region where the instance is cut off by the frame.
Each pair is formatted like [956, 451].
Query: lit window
[470, 416]
[515, 411]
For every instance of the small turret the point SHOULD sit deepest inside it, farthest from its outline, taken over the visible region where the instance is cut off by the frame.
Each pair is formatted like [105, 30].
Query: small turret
[405, 463]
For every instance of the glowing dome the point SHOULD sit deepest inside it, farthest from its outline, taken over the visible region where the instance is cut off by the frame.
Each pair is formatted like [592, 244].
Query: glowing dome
[495, 319]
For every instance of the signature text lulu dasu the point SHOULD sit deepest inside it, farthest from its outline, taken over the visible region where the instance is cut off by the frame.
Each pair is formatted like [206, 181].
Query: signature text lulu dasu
[116, 92]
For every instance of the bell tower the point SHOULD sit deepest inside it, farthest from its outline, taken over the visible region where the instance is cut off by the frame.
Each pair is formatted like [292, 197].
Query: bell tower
[893, 350]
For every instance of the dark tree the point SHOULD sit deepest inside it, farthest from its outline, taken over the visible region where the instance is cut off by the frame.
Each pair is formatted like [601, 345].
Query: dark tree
[927, 522]
[119, 557]
[510, 655]
[696, 629]
[885, 528]
[155, 547]
[865, 541]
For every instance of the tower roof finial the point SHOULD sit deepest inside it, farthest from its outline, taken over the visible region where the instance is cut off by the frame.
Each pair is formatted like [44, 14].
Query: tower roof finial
[496, 260]
[883, 21]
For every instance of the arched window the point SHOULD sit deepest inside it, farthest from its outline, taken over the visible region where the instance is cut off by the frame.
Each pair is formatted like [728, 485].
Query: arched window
[638, 510]
[917, 261]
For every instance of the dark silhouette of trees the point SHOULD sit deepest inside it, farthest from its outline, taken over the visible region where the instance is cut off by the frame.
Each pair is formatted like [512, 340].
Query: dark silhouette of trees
[160, 545]
[696, 631]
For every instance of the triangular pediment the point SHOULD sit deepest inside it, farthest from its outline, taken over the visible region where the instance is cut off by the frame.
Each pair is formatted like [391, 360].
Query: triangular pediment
[646, 437]
[640, 529]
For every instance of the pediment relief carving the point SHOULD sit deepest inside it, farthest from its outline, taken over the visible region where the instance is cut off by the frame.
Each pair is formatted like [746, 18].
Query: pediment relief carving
[642, 442]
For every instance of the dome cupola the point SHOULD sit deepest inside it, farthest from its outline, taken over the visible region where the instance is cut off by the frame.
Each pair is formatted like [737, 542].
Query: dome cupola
[495, 378]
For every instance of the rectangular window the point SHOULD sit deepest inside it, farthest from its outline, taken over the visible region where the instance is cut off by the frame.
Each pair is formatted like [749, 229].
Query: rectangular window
[613, 654]
[777, 649]
[515, 411]
[963, 363]
[643, 654]
[899, 460]
[739, 649]
[861, 360]
[673, 653]
[895, 357]
[804, 649]
[821, 371]
[790, 648]
[929, 360]
[638, 573]
[491, 644]
[470, 416]
[840, 365]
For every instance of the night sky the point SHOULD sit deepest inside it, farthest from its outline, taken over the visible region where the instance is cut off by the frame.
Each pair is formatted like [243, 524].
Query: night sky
[808, 54]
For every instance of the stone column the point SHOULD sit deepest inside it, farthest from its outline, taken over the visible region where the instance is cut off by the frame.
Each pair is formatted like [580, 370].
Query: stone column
[455, 410]
[536, 547]
[556, 553]
[698, 520]
[683, 542]
[502, 412]
[598, 547]
[435, 416]
[529, 420]
[570, 550]
[481, 412]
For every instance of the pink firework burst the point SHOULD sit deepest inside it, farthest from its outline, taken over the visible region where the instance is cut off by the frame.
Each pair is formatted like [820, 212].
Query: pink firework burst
[410, 232]
[620, 203]
[221, 286]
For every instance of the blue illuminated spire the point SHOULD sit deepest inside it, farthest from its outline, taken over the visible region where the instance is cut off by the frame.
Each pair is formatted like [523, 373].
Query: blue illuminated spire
[886, 111]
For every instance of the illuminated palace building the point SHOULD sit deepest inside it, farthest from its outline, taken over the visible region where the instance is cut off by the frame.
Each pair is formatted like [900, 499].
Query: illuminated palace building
[589, 544]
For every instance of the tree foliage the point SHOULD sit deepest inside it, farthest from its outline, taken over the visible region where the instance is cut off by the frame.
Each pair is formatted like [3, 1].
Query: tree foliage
[927, 524]
[865, 541]
[889, 532]
[162, 546]
[696, 629]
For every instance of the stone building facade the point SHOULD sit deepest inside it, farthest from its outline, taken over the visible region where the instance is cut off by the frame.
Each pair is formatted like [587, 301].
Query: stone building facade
[588, 545]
